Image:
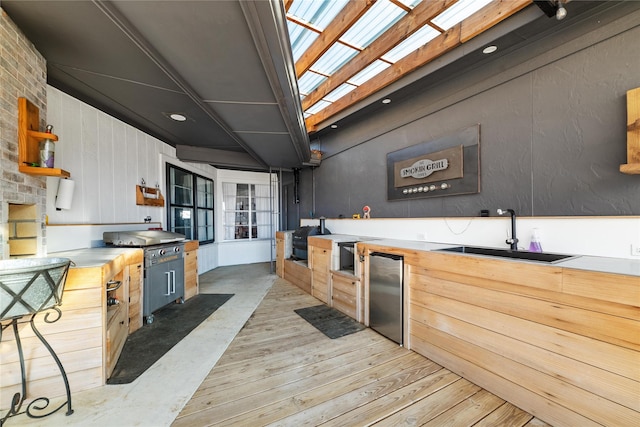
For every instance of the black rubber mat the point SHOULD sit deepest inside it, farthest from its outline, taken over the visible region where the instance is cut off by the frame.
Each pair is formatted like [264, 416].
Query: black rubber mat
[171, 323]
[330, 321]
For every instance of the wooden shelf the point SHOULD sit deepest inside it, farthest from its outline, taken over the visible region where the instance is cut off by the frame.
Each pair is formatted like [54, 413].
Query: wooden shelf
[630, 168]
[29, 139]
[148, 196]
[34, 170]
[39, 136]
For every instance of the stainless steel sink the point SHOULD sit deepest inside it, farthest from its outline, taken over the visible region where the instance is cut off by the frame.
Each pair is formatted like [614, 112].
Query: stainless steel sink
[508, 253]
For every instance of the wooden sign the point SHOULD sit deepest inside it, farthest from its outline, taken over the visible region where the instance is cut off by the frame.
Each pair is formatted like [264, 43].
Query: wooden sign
[432, 167]
[445, 166]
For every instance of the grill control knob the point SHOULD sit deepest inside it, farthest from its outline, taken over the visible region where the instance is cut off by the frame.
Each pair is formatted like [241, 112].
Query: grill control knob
[162, 251]
[176, 249]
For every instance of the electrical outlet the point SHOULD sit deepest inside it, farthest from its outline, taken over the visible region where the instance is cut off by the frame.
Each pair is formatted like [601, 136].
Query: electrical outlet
[635, 249]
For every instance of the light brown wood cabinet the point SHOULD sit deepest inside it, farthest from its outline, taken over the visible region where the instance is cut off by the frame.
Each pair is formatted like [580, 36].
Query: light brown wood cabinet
[191, 283]
[560, 343]
[117, 318]
[280, 254]
[87, 338]
[136, 276]
[320, 263]
[346, 295]
[298, 273]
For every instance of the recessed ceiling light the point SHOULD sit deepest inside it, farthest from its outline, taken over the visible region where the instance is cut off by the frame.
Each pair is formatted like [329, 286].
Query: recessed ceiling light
[334, 126]
[490, 49]
[386, 101]
[178, 117]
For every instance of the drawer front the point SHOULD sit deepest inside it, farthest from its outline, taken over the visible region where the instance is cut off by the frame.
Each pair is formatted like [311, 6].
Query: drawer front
[344, 286]
[116, 335]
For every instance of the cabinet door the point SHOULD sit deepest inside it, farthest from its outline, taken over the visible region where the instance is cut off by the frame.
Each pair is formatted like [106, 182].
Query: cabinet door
[190, 274]
[280, 257]
[135, 297]
[321, 259]
[345, 295]
[117, 319]
[164, 284]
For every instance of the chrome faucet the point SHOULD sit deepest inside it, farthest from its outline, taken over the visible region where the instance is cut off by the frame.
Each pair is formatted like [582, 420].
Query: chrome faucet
[513, 241]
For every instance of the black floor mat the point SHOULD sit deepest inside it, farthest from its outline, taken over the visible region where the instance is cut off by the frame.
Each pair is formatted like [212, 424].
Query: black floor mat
[330, 321]
[171, 323]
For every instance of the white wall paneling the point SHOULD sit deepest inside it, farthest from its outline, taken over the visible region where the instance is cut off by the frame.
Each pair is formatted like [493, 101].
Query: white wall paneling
[107, 159]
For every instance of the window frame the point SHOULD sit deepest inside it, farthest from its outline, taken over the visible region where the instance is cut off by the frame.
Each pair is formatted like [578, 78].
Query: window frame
[194, 206]
[250, 212]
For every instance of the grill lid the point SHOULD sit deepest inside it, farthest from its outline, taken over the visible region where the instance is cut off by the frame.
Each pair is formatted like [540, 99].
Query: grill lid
[140, 237]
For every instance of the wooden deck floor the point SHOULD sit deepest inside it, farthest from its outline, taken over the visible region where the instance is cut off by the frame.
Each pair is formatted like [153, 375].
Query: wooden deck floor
[281, 371]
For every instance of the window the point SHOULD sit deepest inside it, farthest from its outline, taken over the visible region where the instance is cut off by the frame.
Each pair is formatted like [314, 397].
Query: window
[247, 208]
[190, 204]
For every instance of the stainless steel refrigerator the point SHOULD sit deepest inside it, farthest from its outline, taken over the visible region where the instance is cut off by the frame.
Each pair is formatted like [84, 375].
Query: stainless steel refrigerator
[385, 294]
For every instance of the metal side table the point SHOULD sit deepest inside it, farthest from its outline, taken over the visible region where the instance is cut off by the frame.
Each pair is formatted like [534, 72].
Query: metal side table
[28, 287]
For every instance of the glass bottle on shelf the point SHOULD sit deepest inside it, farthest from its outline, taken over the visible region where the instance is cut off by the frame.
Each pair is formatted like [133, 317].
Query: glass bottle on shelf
[47, 150]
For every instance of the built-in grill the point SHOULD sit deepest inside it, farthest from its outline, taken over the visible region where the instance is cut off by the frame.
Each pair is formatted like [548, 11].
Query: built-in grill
[299, 241]
[163, 265]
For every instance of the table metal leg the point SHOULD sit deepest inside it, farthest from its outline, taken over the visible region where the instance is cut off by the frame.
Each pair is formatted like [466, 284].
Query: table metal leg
[33, 410]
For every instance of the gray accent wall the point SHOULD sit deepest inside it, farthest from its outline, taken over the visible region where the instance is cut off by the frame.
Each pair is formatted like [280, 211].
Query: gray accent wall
[552, 117]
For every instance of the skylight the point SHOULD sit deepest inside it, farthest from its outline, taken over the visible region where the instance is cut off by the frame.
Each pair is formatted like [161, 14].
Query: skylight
[319, 13]
[459, 12]
[376, 21]
[369, 72]
[417, 39]
[334, 58]
[317, 107]
[342, 32]
[309, 81]
[338, 93]
[301, 38]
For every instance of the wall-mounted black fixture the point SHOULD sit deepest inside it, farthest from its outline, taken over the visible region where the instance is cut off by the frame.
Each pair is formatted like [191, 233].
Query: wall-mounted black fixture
[296, 186]
[552, 8]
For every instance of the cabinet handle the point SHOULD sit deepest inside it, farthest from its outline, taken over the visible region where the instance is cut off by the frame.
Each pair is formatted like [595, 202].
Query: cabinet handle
[168, 274]
[112, 285]
[173, 281]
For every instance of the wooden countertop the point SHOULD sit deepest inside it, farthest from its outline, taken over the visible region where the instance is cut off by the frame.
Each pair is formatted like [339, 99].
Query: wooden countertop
[97, 257]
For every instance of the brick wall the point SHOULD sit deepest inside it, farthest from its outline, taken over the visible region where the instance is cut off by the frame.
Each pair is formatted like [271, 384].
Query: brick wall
[23, 72]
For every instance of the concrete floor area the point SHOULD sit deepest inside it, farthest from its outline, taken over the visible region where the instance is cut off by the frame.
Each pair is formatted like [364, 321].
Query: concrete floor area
[157, 396]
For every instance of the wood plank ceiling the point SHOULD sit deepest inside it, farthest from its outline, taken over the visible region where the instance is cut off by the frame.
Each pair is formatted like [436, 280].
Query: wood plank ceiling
[417, 32]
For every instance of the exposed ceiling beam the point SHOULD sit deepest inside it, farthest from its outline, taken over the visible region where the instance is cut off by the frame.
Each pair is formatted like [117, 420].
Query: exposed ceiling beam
[489, 16]
[218, 158]
[410, 23]
[268, 44]
[348, 16]
[481, 21]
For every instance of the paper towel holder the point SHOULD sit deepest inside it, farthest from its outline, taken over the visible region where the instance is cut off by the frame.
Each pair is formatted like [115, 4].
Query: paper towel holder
[64, 195]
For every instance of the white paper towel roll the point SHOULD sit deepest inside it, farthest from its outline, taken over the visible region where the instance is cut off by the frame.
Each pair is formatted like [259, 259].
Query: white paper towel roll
[65, 194]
